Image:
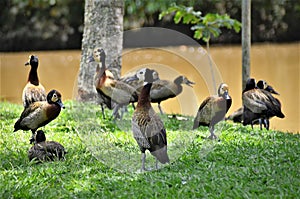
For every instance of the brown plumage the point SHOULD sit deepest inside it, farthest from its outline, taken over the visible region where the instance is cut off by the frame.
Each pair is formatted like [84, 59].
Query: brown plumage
[165, 89]
[43, 150]
[147, 127]
[40, 113]
[118, 91]
[213, 109]
[237, 116]
[34, 90]
[259, 104]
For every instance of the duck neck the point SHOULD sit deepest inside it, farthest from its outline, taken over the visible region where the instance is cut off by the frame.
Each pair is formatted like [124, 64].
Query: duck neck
[144, 98]
[178, 82]
[33, 76]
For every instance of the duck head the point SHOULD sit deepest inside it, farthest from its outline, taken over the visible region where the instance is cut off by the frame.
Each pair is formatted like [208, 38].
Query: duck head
[261, 84]
[146, 75]
[187, 81]
[40, 136]
[32, 61]
[250, 84]
[223, 91]
[54, 97]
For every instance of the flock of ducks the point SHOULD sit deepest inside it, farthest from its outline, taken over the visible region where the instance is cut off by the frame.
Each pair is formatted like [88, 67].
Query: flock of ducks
[144, 87]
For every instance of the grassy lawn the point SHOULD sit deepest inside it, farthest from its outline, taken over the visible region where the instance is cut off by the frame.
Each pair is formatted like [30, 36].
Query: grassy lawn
[103, 160]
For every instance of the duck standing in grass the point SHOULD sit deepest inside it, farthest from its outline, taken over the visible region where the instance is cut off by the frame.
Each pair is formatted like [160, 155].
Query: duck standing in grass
[213, 109]
[260, 105]
[147, 127]
[117, 91]
[43, 150]
[164, 89]
[237, 116]
[34, 90]
[40, 113]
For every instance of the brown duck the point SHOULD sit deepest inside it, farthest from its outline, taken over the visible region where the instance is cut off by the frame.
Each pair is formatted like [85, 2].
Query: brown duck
[237, 116]
[213, 109]
[34, 90]
[43, 150]
[40, 113]
[115, 90]
[147, 127]
[260, 105]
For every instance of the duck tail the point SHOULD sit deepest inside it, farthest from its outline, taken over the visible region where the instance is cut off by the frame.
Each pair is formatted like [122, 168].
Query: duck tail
[280, 115]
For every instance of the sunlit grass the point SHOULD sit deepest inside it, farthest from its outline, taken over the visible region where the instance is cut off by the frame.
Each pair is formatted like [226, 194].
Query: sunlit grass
[103, 160]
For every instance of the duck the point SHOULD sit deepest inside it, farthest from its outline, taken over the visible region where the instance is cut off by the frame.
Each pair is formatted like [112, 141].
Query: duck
[40, 113]
[162, 90]
[165, 89]
[105, 101]
[33, 91]
[259, 105]
[147, 127]
[237, 116]
[43, 150]
[213, 109]
[117, 91]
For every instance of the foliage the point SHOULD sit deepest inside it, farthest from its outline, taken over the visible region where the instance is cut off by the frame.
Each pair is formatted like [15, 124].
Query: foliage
[246, 163]
[204, 27]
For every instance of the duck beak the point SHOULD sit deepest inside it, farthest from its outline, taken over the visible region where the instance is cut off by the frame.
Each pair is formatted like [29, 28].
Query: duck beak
[227, 97]
[61, 104]
[271, 90]
[133, 78]
[190, 83]
[27, 63]
[91, 59]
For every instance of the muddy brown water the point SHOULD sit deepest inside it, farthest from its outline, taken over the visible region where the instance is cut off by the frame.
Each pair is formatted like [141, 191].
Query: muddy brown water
[278, 64]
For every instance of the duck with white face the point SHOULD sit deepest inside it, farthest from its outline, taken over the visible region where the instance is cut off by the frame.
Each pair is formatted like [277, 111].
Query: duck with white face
[213, 109]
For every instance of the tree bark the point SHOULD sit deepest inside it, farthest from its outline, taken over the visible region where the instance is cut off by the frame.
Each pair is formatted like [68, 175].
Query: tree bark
[103, 27]
[246, 40]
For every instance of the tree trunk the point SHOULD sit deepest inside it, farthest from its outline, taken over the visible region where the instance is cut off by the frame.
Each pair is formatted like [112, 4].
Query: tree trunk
[246, 40]
[103, 27]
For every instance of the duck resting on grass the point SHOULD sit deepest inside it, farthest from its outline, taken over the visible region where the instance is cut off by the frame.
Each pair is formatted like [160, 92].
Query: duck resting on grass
[43, 150]
[213, 109]
[147, 127]
[33, 91]
[40, 113]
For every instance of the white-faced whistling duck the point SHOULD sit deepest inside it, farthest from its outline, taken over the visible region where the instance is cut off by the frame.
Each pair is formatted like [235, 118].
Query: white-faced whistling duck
[237, 116]
[262, 84]
[34, 90]
[213, 109]
[40, 113]
[43, 150]
[260, 105]
[100, 60]
[118, 91]
[147, 127]
[164, 89]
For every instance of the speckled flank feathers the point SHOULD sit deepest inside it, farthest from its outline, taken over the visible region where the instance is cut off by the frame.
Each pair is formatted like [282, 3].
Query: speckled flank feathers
[43, 150]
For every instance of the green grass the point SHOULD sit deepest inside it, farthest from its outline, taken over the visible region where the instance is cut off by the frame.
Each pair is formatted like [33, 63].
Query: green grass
[103, 160]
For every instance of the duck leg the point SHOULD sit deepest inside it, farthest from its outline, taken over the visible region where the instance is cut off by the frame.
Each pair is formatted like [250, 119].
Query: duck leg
[102, 109]
[267, 123]
[32, 136]
[143, 162]
[212, 134]
[160, 109]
